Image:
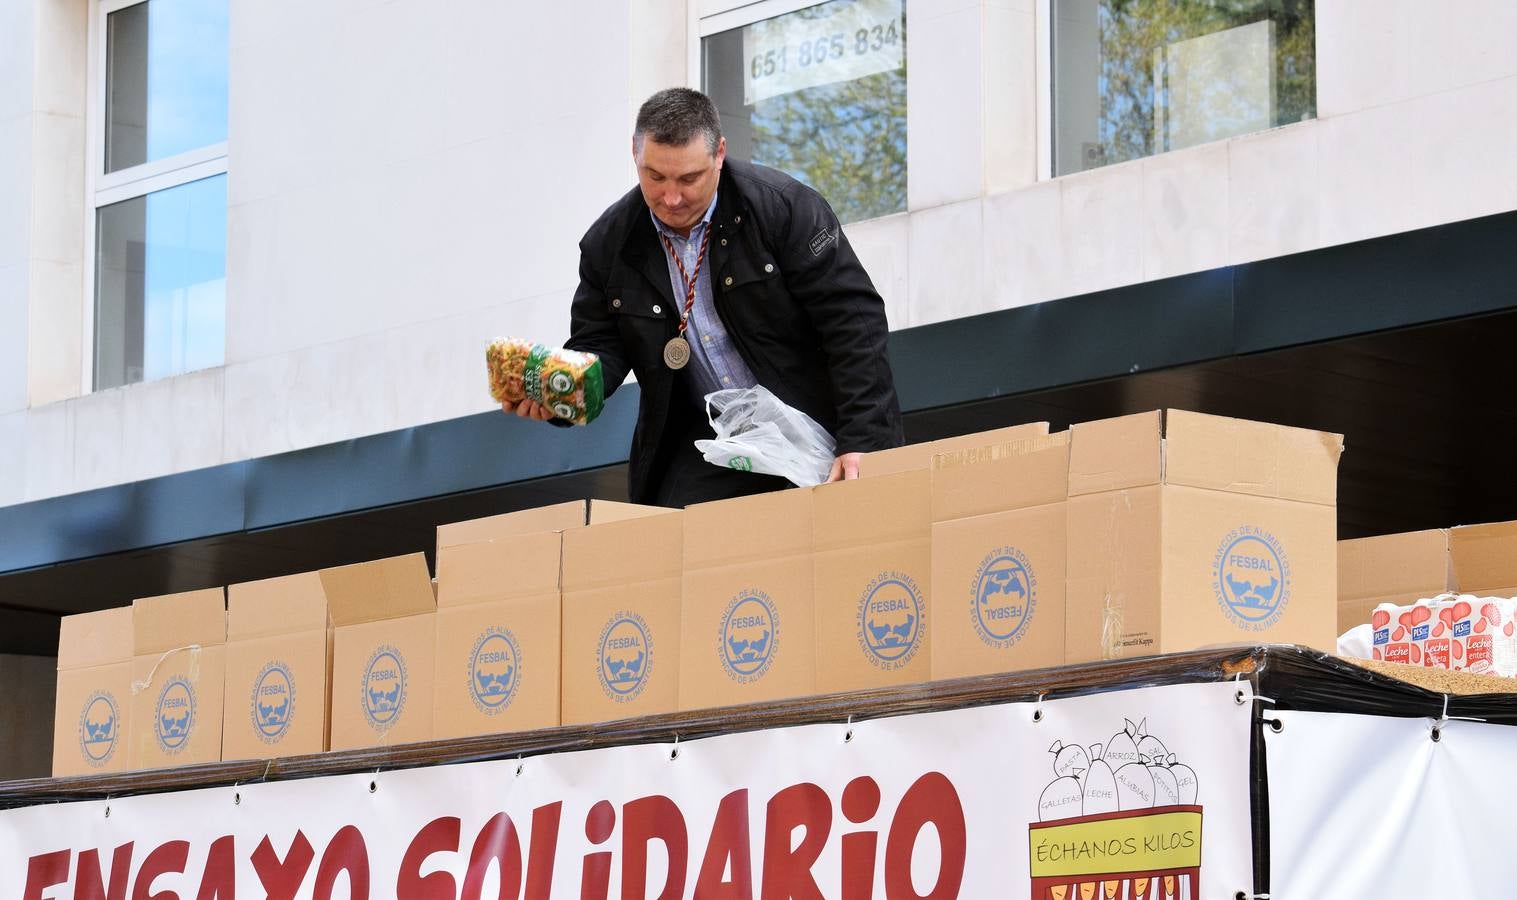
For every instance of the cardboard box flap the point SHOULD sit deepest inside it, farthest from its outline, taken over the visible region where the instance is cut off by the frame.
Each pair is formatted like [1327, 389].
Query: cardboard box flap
[558, 517]
[1255, 458]
[872, 510]
[95, 638]
[179, 620]
[1485, 558]
[1000, 477]
[764, 526]
[382, 589]
[1390, 565]
[284, 605]
[1113, 454]
[913, 457]
[527, 521]
[624, 552]
[517, 566]
[613, 511]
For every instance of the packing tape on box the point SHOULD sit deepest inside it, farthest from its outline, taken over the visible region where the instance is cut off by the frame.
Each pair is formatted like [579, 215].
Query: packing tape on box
[194, 672]
[1111, 627]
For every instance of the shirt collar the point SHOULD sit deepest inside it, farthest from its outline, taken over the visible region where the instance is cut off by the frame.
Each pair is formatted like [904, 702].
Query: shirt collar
[703, 223]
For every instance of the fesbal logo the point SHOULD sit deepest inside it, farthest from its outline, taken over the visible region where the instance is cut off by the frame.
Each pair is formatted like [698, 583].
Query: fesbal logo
[625, 657]
[495, 670]
[1252, 578]
[749, 636]
[174, 714]
[273, 704]
[99, 728]
[890, 626]
[1003, 598]
[384, 687]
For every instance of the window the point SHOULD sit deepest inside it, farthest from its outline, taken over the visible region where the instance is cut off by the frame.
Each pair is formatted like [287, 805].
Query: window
[158, 174]
[818, 93]
[1132, 78]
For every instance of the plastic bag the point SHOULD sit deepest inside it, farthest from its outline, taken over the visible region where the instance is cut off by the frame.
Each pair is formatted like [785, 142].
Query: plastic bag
[755, 432]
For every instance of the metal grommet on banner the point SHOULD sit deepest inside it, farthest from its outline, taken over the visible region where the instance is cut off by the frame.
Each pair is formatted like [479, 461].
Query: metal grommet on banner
[107, 807]
[374, 783]
[848, 733]
[674, 751]
[1275, 725]
[1037, 711]
[519, 765]
[237, 798]
[1242, 895]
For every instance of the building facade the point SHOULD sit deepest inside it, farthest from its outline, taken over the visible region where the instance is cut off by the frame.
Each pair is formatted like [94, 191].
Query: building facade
[233, 231]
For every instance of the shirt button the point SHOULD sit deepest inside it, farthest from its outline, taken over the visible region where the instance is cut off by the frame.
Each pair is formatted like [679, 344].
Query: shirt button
[768, 267]
[657, 309]
[705, 339]
[726, 380]
[727, 281]
[617, 303]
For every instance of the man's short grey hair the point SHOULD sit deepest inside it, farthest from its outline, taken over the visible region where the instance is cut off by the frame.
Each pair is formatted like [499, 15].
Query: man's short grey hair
[675, 117]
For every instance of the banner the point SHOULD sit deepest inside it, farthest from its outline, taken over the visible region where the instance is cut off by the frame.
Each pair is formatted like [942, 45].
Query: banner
[1368, 806]
[1127, 794]
[838, 41]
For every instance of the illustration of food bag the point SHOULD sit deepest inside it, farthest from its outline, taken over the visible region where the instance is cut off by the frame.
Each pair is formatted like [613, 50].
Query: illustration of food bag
[565, 381]
[1134, 831]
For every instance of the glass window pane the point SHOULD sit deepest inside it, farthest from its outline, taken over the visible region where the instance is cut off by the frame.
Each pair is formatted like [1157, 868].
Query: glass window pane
[166, 80]
[1137, 77]
[820, 94]
[160, 284]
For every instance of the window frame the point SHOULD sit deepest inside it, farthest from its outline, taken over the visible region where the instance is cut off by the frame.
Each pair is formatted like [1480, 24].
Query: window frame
[104, 189]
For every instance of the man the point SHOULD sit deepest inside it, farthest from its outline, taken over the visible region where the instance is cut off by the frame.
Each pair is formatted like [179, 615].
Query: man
[717, 274]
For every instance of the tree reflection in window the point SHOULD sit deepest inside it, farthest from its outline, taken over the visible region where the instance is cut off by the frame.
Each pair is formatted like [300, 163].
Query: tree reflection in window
[1134, 55]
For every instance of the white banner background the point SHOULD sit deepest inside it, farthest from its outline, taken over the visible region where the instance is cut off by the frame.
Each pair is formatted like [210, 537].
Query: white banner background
[996, 758]
[1368, 806]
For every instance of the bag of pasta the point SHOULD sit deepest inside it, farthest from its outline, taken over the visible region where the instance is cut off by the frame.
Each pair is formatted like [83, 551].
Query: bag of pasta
[565, 381]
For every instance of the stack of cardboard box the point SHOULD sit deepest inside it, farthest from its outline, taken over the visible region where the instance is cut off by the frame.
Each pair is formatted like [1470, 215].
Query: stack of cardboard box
[1005, 550]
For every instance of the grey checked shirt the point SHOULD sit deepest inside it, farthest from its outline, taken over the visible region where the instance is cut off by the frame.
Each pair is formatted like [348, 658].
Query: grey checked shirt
[714, 362]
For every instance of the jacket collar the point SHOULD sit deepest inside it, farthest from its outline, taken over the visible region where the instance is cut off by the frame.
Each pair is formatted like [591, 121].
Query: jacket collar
[641, 248]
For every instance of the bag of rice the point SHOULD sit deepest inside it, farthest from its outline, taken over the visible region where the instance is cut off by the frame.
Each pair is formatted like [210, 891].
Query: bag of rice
[565, 381]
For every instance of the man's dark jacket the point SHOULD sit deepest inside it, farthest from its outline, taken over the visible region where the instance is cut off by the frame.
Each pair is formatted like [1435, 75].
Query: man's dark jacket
[798, 305]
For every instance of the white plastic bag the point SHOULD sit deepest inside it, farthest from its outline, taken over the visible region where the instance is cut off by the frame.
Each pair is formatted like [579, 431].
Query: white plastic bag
[755, 432]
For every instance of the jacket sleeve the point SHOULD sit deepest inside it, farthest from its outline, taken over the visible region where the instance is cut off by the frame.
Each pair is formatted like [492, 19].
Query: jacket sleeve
[592, 327]
[828, 281]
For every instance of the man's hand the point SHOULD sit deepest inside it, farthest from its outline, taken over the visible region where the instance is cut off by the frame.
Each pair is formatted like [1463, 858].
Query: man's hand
[528, 409]
[845, 468]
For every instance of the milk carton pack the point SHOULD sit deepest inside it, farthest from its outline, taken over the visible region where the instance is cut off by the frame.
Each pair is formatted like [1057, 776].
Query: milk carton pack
[1491, 644]
[1401, 632]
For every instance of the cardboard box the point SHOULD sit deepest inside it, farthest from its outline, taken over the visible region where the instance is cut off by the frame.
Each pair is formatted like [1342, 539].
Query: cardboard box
[622, 618]
[872, 540]
[383, 651]
[178, 678]
[1391, 568]
[557, 517]
[749, 615]
[998, 557]
[1187, 530]
[278, 665]
[92, 724]
[918, 457]
[1484, 559]
[499, 613]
